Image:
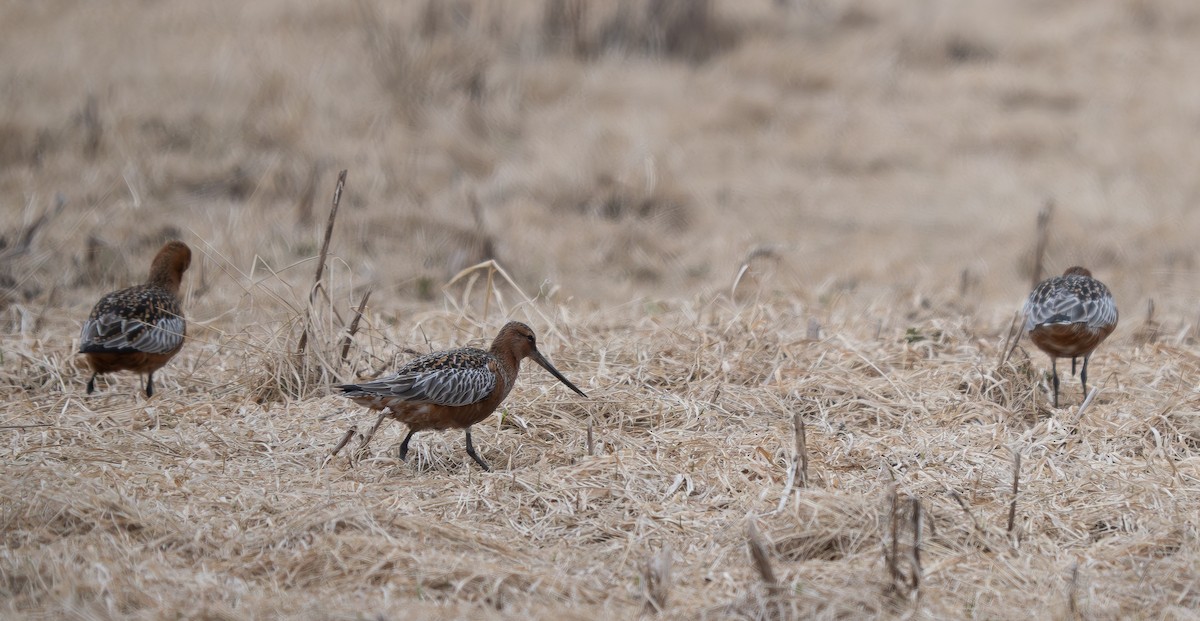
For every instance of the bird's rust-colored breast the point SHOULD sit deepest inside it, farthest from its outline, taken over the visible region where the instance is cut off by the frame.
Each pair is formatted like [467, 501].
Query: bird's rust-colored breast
[1068, 340]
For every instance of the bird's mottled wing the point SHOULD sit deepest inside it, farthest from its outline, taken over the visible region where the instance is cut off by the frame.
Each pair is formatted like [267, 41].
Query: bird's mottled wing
[138, 319]
[1073, 299]
[1058, 306]
[453, 378]
[1101, 311]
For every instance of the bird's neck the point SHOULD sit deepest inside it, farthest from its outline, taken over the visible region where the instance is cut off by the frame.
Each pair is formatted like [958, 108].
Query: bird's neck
[166, 278]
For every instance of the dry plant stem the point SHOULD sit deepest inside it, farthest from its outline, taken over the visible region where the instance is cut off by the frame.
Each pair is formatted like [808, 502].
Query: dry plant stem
[93, 130]
[358, 312]
[1088, 400]
[591, 446]
[1073, 593]
[656, 576]
[1149, 331]
[345, 440]
[26, 236]
[737, 278]
[494, 268]
[1016, 485]
[487, 298]
[304, 206]
[362, 447]
[801, 464]
[915, 578]
[962, 503]
[1043, 236]
[1011, 341]
[814, 329]
[758, 552]
[489, 242]
[22, 247]
[798, 471]
[50, 300]
[312, 293]
[892, 555]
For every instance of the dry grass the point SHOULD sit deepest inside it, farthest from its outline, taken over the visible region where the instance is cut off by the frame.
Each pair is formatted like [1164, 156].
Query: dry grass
[818, 212]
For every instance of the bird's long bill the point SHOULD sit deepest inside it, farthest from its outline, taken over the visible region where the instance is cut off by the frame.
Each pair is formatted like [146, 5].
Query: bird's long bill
[540, 359]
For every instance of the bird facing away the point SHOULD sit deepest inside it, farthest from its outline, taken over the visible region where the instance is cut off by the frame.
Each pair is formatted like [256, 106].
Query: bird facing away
[452, 389]
[1068, 316]
[140, 328]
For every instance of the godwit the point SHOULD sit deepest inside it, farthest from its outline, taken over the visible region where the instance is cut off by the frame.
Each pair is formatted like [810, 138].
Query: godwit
[452, 389]
[140, 328]
[1069, 316]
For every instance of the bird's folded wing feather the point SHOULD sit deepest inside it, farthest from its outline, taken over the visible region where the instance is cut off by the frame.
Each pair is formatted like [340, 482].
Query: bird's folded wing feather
[446, 386]
[111, 333]
[1096, 312]
[1101, 312]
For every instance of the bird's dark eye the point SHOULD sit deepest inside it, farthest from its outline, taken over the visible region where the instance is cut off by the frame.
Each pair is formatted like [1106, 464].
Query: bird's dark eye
[530, 337]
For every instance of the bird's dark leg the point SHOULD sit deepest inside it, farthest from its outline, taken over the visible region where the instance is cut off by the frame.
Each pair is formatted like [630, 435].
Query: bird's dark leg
[404, 444]
[1054, 375]
[91, 384]
[1083, 375]
[471, 452]
[1073, 359]
[150, 384]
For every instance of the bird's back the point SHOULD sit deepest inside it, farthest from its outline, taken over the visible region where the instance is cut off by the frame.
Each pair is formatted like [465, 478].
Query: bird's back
[1070, 300]
[143, 319]
[456, 377]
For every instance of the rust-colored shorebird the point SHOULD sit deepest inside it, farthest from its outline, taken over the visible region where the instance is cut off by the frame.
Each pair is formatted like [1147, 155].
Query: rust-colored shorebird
[140, 328]
[452, 389]
[1068, 316]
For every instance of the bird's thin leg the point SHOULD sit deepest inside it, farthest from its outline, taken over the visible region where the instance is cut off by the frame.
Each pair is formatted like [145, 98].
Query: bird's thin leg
[91, 384]
[404, 444]
[1073, 359]
[471, 452]
[1083, 375]
[150, 384]
[1054, 375]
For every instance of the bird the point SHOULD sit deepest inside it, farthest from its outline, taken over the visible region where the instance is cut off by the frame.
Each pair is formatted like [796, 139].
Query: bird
[1068, 316]
[452, 389]
[139, 328]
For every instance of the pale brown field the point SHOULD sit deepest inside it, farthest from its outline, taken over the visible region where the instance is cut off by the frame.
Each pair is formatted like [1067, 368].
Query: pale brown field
[674, 198]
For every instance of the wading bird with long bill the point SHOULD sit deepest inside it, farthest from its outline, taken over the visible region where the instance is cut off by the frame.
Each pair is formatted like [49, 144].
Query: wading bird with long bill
[452, 389]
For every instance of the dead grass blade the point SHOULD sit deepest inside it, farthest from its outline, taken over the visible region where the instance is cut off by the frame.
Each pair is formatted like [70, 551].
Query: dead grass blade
[1043, 239]
[656, 578]
[1016, 488]
[758, 554]
[353, 329]
[324, 254]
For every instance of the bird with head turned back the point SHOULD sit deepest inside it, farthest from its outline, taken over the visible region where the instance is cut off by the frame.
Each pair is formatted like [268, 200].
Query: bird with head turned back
[142, 327]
